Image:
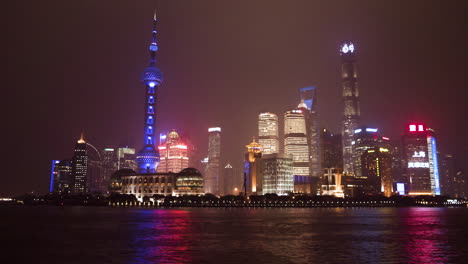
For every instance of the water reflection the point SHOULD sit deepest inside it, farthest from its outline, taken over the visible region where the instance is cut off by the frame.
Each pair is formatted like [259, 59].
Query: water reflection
[162, 236]
[292, 235]
[427, 235]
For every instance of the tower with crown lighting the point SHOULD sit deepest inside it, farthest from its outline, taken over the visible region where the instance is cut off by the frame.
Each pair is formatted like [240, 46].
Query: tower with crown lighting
[148, 157]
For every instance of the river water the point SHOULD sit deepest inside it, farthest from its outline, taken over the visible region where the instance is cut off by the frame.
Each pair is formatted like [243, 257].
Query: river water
[46, 234]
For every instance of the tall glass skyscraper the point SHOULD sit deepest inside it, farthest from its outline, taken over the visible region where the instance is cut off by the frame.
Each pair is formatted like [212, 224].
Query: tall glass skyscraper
[351, 111]
[148, 157]
[268, 132]
[309, 105]
[212, 169]
[296, 144]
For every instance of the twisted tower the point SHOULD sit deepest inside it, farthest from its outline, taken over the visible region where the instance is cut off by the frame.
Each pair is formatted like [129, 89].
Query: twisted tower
[148, 157]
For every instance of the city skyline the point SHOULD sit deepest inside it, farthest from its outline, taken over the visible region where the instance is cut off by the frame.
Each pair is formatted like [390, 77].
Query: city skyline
[393, 125]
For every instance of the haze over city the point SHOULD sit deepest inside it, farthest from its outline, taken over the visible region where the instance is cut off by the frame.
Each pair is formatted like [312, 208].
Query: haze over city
[76, 66]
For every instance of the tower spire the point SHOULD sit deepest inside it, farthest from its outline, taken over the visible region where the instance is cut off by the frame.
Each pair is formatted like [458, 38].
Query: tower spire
[154, 45]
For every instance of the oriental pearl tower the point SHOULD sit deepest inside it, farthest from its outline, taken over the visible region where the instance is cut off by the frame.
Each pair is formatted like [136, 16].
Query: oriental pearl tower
[148, 157]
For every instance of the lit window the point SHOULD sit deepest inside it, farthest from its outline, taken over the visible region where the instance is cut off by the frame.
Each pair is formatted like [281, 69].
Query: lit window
[412, 128]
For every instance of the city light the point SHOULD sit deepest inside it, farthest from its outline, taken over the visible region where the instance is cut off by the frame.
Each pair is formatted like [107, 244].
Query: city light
[418, 164]
[412, 128]
[371, 130]
[357, 131]
[214, 129]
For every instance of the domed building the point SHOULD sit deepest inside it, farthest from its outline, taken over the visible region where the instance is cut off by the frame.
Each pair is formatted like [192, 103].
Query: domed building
[116, 179]
[189, 182]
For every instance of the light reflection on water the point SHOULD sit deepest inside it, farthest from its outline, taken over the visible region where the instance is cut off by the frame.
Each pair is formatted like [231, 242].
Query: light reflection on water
[236, 235]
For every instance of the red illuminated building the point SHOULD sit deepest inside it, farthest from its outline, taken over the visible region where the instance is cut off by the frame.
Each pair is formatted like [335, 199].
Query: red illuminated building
[174, 154]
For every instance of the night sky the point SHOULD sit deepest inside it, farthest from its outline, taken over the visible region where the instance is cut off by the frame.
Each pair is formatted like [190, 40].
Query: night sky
[76, 65]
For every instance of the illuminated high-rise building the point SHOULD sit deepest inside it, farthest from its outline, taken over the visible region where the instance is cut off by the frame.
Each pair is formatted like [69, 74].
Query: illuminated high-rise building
[60, 177]
[277, 173]
[253, 168]
[109, 165]
[53, 180]
[309, 105]
[296, 144]
[377, 167]
[364, 139]
[173, 154]
[148, 157]
[351, 111]
[268, 132]
[79, 167]
[422, 166]
[212, 169]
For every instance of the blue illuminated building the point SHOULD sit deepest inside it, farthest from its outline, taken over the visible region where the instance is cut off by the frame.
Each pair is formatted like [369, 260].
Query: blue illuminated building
[148, 157]
[53, 175]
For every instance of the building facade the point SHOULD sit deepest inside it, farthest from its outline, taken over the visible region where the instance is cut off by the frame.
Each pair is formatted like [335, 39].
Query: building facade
[277, 172]
[173, 154]
[351, 111]
[79, 167]
[331, 150]
[212, 169]
[377, 168]
[253, 169]
[149, 184]
[331, 182]
[109, 164]
[126, 158]
[268, 132]
[309, 104]
[422, 166]
[296, 144]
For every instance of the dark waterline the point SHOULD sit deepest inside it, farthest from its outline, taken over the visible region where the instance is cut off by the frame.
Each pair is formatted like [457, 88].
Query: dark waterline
[46, 234]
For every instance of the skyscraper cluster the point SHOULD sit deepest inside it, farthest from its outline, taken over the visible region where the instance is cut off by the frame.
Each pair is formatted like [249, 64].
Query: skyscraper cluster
[304, 158]
[359, 161]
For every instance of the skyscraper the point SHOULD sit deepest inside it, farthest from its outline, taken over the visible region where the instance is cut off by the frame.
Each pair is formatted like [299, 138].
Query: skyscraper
[213, 166]
[364, 139]
[331, 150]
[79, 167]
[351, 111]
[277, 173]
[109, 165]
[53, 183]
[174, 156]
[296, 144]
[148, 157]
[377, 167]
[309, 99]
[268, 132]
[422, 166]
[253, 168]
